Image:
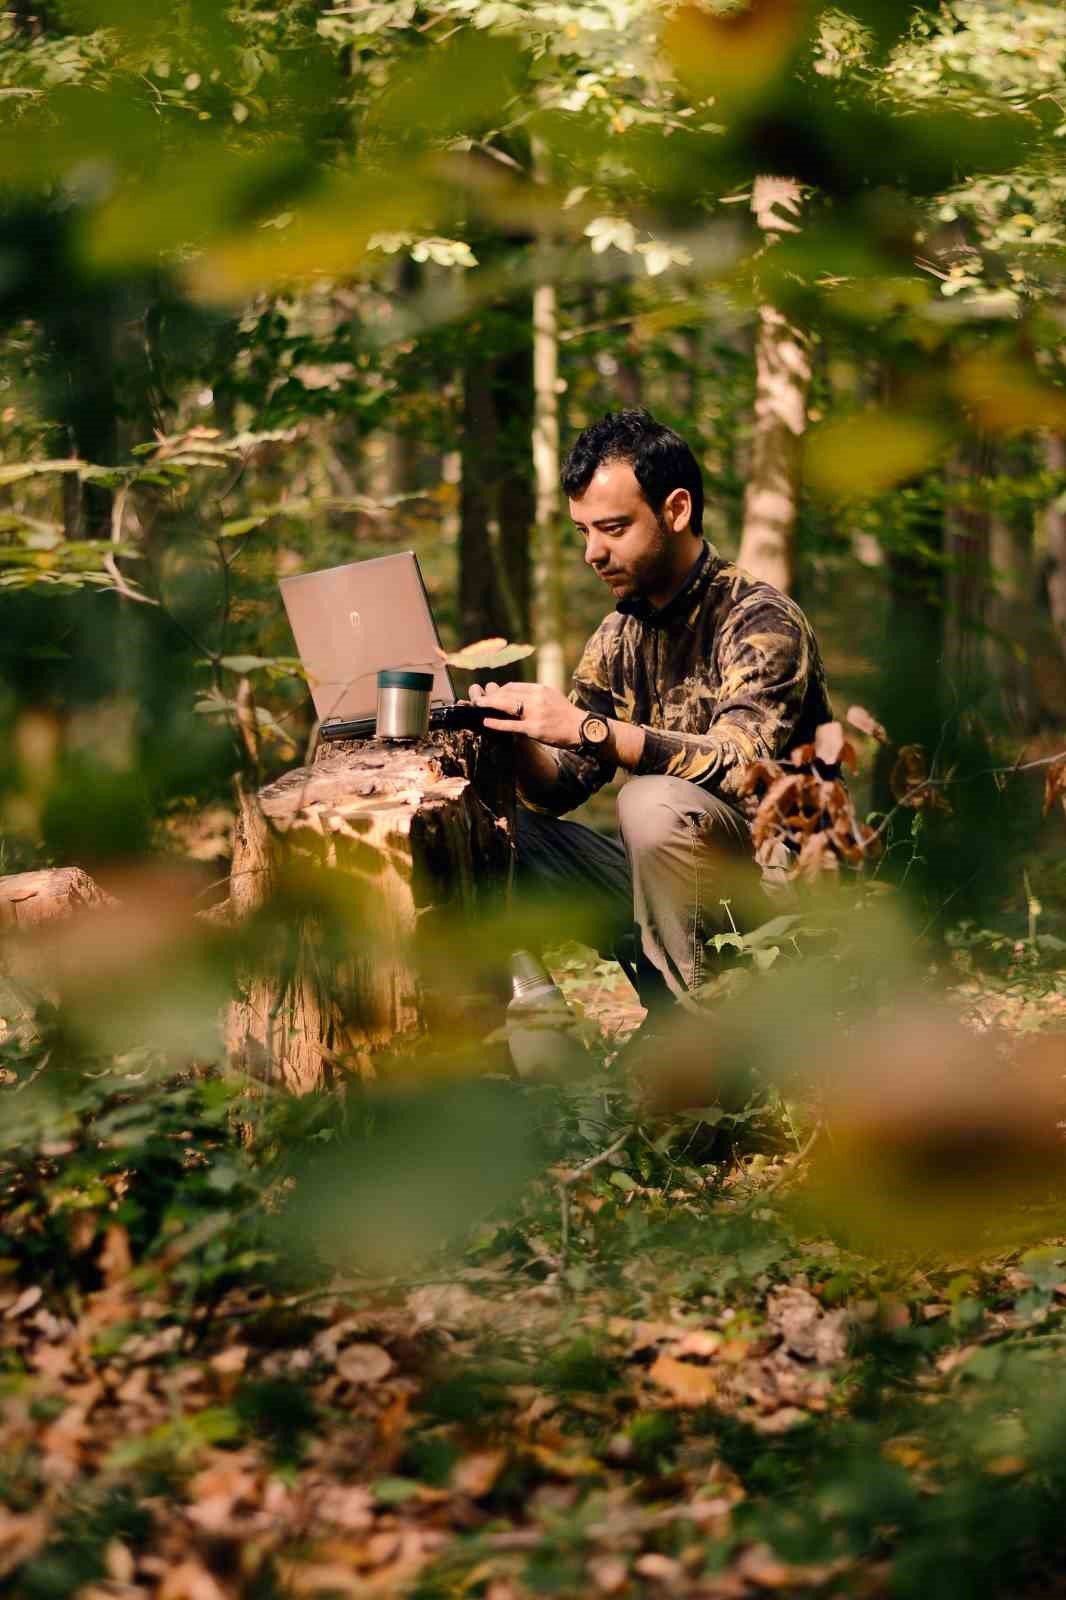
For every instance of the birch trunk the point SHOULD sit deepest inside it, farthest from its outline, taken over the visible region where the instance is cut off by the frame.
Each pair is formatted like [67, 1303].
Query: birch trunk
[783, 377]
[550, 589]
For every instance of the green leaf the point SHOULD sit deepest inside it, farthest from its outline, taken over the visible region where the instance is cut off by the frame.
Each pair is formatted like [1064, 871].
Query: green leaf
[246, 663]
[233, 530]
[771, 932]
[764, 958]
[622, 1180]
[394, 1491]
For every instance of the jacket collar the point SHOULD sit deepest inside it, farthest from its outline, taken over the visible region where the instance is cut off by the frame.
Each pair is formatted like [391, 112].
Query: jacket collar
[663, 616]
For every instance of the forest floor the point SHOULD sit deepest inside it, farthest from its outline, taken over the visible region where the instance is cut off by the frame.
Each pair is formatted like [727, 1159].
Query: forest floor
[652, 1376]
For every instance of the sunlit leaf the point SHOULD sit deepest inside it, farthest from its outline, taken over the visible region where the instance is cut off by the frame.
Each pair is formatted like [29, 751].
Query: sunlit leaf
[866, 454]
[1007, 397]
[487, 653]
[734, 55]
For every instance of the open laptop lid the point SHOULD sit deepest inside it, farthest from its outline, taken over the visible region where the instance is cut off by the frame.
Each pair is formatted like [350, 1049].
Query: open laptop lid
[350, 622]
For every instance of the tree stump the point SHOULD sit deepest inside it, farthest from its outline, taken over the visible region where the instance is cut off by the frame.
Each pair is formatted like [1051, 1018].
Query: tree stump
[30, 898]
[379, 850]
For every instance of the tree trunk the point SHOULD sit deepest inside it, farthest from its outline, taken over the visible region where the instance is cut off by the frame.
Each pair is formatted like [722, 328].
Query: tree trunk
[1055, 455]
[496, 505]
[783, 377]
[386, 854]
[909, 697]
[966, 543]
[1013, 638]
[551, 592]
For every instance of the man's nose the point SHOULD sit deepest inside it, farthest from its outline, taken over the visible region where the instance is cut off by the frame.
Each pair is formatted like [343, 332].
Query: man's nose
[595, 550]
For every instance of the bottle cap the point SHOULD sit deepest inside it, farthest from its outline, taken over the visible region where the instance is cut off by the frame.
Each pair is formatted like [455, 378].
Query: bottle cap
[396, 679]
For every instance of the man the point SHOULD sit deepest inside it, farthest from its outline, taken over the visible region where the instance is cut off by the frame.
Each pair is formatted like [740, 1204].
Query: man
[698, 671]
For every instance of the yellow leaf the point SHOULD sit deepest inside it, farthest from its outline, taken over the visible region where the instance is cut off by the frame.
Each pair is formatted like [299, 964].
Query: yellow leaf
[856, 457]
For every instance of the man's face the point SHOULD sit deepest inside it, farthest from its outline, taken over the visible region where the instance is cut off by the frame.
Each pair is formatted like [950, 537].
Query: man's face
[634, 551]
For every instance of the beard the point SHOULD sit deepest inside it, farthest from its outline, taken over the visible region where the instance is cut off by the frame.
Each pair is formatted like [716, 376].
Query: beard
[650, 573]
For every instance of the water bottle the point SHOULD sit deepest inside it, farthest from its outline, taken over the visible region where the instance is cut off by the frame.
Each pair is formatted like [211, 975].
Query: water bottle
[540, 1025]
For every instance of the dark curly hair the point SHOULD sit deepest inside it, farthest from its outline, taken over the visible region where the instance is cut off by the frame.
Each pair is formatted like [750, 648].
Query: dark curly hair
[660, 458]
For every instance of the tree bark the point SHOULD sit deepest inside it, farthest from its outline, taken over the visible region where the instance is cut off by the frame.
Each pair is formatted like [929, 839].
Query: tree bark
[373, 858]
[551, 610]
[966, 536]
[1055, 456]
[29, 898]
[496, 505]
[783, 377]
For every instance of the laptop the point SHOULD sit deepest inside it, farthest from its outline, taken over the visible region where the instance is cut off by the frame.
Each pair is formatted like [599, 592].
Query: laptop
[349, 624]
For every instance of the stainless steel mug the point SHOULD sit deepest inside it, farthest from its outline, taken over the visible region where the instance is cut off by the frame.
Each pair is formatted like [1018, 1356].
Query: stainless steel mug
[403, 705]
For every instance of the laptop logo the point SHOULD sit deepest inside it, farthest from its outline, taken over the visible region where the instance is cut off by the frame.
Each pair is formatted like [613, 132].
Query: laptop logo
[355, 620]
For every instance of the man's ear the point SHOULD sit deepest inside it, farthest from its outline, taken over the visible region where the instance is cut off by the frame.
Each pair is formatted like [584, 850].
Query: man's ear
[678, 510]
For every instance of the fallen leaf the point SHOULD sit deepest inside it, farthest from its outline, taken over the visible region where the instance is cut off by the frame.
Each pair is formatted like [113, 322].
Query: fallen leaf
[476, 1474]
[348, 1506]
[808, 1331]
[780, 1421]
[687, 1384]
[663, 1569]
[25, 1302]
[609, 1574]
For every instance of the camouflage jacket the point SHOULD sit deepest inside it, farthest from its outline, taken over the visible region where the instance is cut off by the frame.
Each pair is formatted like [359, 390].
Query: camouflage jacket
[726, 673]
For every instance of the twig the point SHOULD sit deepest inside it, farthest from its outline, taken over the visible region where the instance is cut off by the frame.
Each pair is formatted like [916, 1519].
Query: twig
[575, 1173]
[566, 1181]
[794, 1166]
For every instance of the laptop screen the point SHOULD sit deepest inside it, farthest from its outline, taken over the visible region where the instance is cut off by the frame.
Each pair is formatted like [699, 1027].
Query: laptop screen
[351, 622]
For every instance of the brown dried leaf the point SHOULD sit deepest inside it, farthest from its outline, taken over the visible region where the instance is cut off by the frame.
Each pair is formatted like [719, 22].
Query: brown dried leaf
[910, 782]
[609, 1574]
[807, 1330]
[862, 719]
[830, 743]
[115, 1260]
[189, 1580]
[476, 1474]
[758, 777]
[1055, 786]
[687, 1384]
[660, 1568]
[486, 653]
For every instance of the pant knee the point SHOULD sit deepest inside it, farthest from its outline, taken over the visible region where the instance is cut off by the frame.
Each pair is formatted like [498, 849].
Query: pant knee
[649, 816]
[654, 812]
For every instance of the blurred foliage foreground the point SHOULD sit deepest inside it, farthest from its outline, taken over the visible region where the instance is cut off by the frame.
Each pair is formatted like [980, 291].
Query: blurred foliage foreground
[447, 1333]
[785, 1315]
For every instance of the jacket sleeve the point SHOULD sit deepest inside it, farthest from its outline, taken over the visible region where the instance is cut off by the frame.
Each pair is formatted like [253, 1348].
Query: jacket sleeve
[578, 776]
[765, 658]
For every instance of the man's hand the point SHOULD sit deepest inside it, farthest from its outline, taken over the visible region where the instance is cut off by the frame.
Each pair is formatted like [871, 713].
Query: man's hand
[542, 713]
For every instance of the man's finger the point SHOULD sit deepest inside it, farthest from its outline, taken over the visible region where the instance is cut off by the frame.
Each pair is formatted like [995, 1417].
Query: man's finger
[496, 726]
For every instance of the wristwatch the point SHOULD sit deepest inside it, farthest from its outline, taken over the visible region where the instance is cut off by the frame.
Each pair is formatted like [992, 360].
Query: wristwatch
[595, 732]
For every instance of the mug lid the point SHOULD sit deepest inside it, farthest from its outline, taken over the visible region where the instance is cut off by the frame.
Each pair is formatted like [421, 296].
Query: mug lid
[396, 679]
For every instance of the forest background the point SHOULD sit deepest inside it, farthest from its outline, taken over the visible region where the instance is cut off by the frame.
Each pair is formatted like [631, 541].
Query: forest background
[284, 287]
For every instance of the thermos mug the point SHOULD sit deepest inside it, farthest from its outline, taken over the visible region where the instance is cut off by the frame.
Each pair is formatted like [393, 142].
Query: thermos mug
[403, 705]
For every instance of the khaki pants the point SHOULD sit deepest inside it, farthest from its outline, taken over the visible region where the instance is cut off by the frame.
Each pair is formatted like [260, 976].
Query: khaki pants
[659, 887]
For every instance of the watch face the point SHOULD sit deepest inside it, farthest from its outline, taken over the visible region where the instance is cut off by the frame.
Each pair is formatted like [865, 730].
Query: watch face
[594, 730]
